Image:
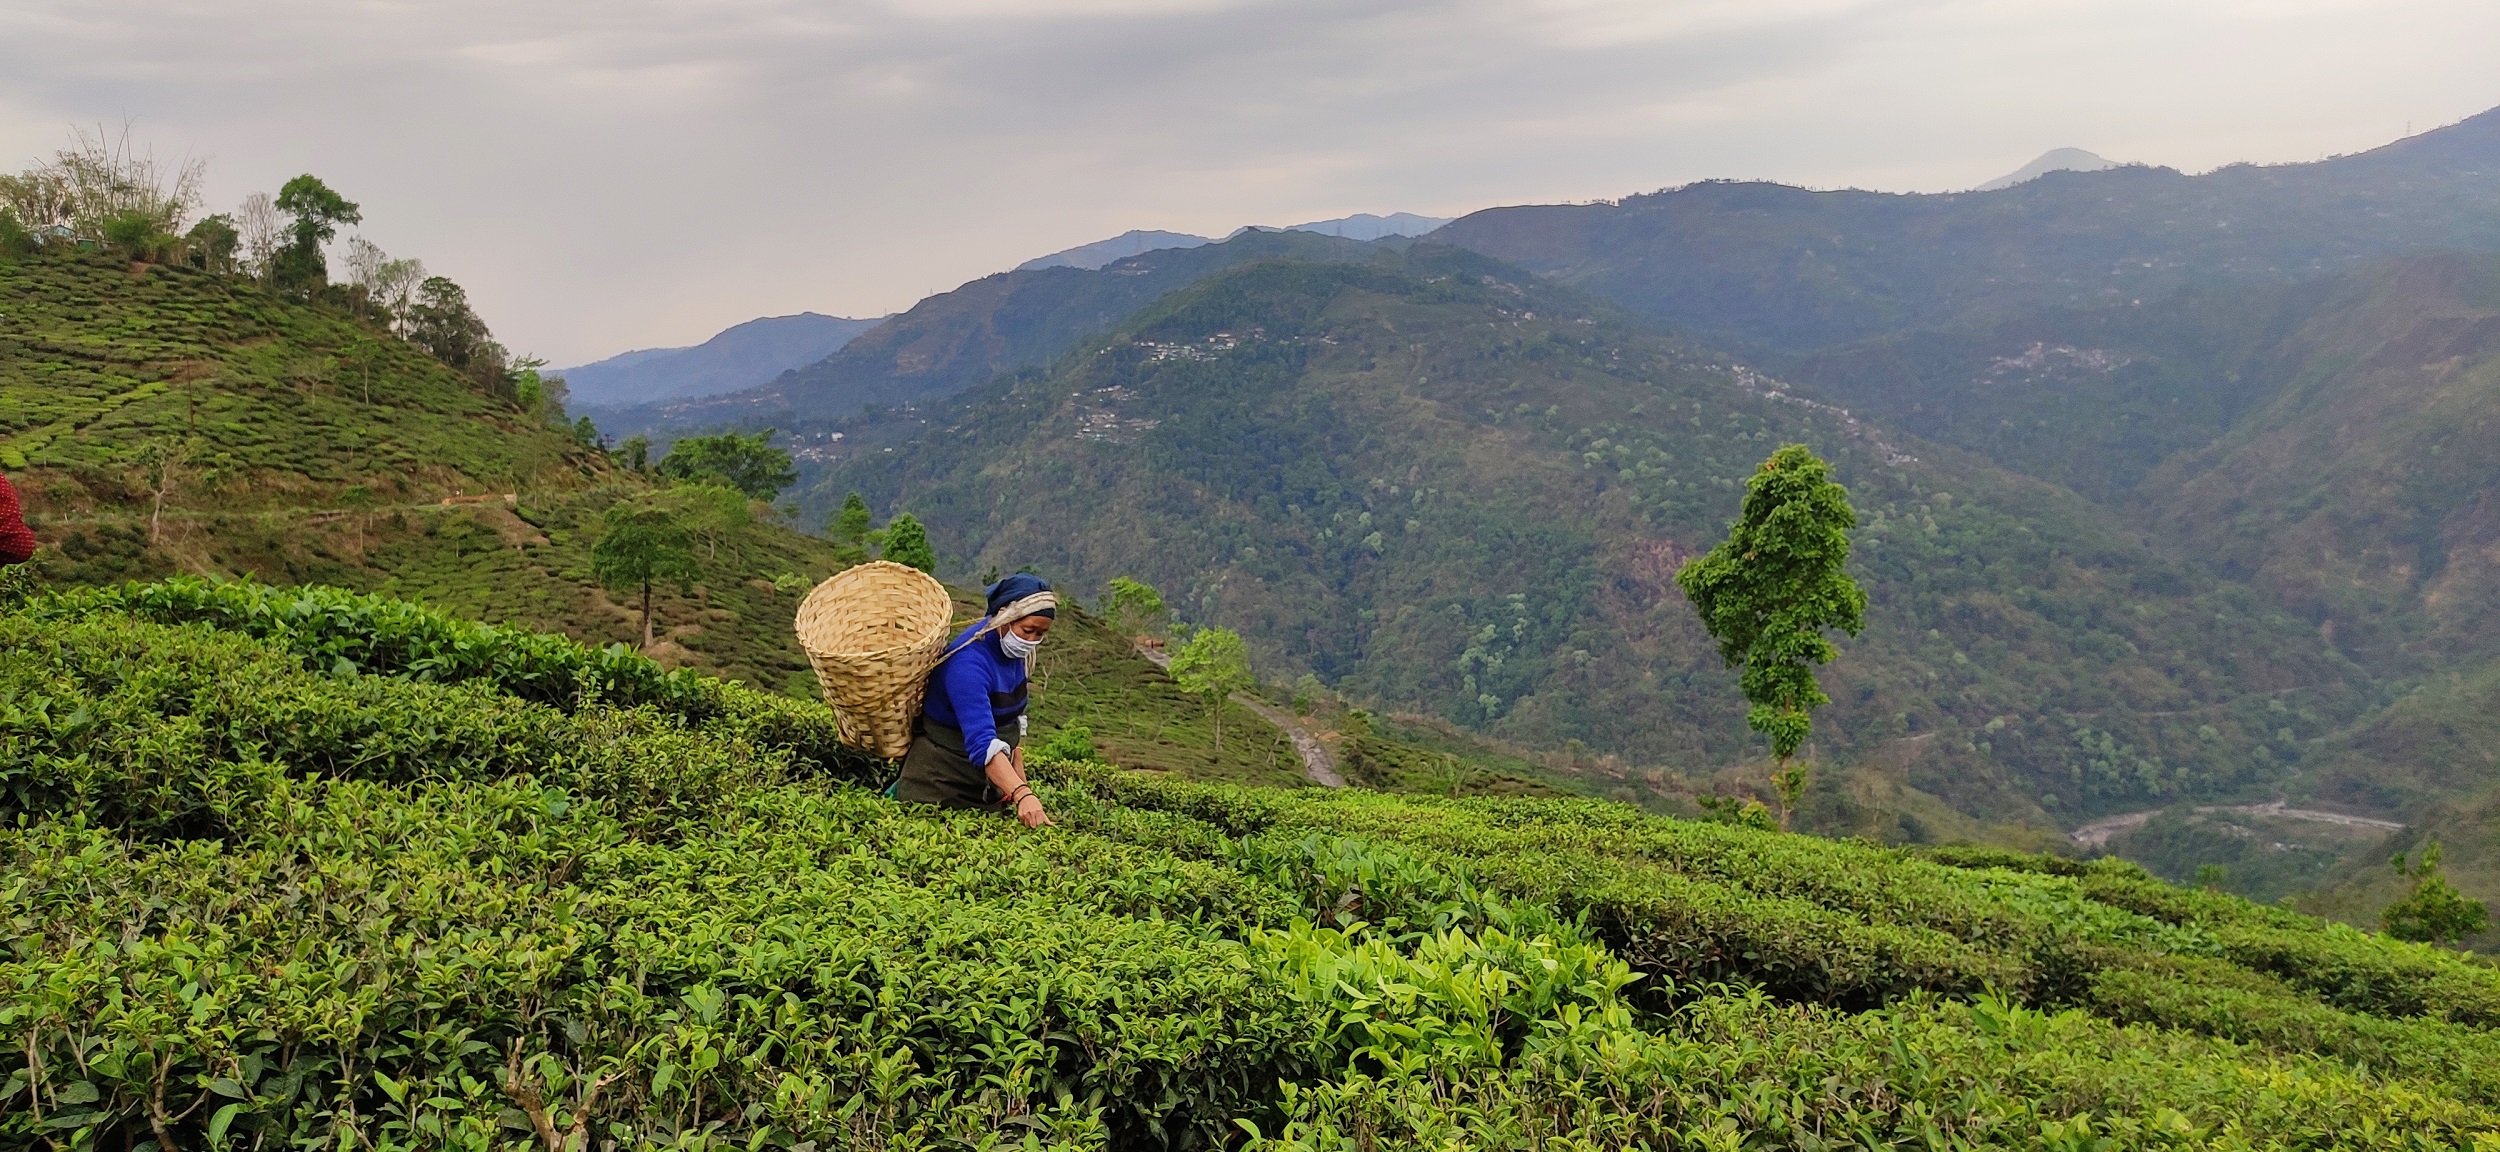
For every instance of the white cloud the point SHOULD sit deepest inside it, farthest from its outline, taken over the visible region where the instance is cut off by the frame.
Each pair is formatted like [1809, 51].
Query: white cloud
[631, 172]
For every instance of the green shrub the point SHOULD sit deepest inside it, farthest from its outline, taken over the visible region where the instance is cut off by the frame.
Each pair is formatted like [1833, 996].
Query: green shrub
[165, 731]
[333, 630]
[1073, 742]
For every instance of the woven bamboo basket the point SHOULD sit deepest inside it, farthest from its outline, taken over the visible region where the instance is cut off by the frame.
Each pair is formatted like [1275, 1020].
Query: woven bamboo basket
[872, 633]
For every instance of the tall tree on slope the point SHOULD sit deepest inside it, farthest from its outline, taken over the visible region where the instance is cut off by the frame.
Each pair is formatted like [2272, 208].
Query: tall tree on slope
[639, 547]
[1214, 664]
[1769, 592]
[315, 213]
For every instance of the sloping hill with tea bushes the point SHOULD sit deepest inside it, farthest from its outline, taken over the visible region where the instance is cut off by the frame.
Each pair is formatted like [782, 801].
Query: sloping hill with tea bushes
[99, 357]
[282, 877]
[161, 420]
[1758, 265]
[1446, 486]
[296, 443]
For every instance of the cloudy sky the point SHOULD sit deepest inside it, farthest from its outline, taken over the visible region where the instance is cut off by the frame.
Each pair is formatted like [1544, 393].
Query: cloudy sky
[609, 174]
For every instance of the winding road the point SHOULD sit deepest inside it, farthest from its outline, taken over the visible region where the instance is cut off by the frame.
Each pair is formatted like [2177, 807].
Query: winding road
[2098, 833]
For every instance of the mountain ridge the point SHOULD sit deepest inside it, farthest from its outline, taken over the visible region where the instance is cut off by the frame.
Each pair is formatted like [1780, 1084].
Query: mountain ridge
[954, 340]
[1139, 241]
[737, 357]
[2053, 160]
[1760, 266]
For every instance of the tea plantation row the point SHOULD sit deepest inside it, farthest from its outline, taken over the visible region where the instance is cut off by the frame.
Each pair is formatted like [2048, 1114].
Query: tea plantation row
[296, 868]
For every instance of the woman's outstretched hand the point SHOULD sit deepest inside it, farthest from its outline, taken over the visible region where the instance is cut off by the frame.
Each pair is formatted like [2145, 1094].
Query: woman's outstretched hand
[1029, 809]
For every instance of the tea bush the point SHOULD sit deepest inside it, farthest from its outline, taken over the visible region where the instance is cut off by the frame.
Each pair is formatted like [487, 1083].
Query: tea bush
[348, 633]
[289, 869]
[163, 731]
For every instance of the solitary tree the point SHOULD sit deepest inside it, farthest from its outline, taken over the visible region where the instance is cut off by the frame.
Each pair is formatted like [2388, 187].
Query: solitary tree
[1131, 604]
[2434, 912]
[1769, 592]
[364, 357]
[441, 322]
[261, 236]
[214, 244]
[314, 214]
[906, 542]
[641, 546]
[1214, 664]
[849, 529]
[749, 464]
[161, 462]
[635, 453]
[709, 511]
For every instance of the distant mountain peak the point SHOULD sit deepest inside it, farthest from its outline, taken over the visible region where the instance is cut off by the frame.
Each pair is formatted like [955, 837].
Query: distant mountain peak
[740, 356]
[1133, 242]
[1366, 226]
[2053, 160]
[1138, 241]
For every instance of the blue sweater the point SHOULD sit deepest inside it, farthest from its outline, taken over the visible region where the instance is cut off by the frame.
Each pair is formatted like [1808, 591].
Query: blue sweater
[978, 691]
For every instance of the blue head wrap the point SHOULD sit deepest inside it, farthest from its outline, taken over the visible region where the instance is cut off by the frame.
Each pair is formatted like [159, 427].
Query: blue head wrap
[1018, 587]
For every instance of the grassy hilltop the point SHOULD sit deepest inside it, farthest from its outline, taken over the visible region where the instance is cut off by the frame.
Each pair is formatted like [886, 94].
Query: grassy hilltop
[349, 872]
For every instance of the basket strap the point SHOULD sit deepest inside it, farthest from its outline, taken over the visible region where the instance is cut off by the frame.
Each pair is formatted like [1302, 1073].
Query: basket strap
[969, 641]
[975, 638]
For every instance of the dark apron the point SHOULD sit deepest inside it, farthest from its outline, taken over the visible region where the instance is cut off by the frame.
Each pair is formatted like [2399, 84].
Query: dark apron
[937, 771]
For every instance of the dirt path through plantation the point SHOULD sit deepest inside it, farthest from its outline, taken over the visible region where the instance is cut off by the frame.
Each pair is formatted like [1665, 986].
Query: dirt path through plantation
[1317, 765]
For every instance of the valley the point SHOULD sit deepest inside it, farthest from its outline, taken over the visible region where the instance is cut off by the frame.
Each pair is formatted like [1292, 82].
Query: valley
[2152, 437]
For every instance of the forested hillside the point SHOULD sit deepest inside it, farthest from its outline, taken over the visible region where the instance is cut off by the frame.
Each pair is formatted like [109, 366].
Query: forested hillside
[423, 884]
[1766, 266]
[1444, 485]
[2329, 444]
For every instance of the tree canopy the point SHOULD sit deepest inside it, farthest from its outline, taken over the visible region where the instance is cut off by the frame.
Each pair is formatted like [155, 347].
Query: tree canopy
[1770, 590]
[907, 542]
[640, 546]
[2434, 912]
[315, 212]
[1214, 664]
[850, 527]
[748, 463]
[1131, 603]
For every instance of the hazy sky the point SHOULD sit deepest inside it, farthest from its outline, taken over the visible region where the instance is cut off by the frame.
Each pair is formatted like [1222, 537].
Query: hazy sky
[608, 174]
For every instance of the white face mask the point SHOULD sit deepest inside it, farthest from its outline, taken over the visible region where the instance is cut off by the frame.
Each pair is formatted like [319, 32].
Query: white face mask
[1017, 647]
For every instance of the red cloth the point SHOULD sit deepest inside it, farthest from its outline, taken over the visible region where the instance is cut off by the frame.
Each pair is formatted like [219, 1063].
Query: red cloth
[17, 544]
